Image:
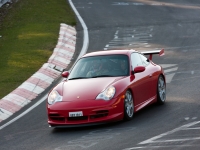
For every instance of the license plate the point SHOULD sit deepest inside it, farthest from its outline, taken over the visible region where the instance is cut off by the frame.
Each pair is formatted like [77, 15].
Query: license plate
[76, 114]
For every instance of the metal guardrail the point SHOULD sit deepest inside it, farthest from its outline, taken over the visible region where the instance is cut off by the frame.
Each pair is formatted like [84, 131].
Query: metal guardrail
[2, 2]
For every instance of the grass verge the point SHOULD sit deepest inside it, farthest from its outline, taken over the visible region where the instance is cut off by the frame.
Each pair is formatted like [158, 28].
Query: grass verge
[29, 33]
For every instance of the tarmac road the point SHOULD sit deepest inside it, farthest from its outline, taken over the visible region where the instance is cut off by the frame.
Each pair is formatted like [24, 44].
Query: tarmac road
[141, 25]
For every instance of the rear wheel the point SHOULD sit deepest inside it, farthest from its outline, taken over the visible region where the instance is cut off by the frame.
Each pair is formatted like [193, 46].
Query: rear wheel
[128, 106]
[161, 90]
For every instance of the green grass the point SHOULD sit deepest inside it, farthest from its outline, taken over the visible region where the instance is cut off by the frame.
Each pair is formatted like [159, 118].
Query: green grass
[29, 35]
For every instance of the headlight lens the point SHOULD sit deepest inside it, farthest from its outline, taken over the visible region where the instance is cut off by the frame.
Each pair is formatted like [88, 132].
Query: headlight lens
[53, 97]
[107, 94]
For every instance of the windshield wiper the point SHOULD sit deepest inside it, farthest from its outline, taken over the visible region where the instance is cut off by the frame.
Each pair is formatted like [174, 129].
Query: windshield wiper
[78, 78]
[102, 76]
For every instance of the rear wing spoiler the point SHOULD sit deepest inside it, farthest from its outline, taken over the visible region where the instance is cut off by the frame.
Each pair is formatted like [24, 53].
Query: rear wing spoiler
[151, 53]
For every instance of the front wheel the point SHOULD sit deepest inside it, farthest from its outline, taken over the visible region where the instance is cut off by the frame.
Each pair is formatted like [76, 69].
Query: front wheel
[161, 90]
[128, 106]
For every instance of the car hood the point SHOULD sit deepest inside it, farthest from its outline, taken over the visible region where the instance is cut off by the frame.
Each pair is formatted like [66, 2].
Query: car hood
[86, 89]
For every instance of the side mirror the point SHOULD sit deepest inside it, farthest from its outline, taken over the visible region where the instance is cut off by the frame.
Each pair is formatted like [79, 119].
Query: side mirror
[138, 69]
[65, 74]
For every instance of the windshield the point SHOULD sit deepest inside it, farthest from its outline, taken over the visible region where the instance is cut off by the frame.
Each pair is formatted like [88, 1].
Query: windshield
[100, 66]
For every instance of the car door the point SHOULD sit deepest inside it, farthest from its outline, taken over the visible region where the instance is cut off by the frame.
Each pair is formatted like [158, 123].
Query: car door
[150, 71]
[141, 83]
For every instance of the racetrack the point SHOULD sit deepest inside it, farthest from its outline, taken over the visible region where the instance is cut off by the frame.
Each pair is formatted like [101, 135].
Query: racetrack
[137, 24]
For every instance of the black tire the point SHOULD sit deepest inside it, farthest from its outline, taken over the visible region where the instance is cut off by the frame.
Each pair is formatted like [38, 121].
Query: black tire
[128, 106]
[161, 90]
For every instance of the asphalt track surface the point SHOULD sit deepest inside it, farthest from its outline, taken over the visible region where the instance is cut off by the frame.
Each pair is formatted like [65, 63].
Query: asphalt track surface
[138, 24]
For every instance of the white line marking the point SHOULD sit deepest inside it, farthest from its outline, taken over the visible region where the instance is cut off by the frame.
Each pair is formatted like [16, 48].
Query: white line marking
[169, 77]
[138, 4]
[198, 128]
[141, 34]
[155, 147]
[156, 4]
[107, 46]
[170, 70]
[116, 37]
[116, 40]
[152, 140]
[192, 46]
[187, 118]
[147, 46]
[176, 140]
[120, 3]
[85, 31]
[168, 65]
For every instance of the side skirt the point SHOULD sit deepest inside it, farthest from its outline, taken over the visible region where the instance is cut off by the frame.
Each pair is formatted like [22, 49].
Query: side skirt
[145, 103]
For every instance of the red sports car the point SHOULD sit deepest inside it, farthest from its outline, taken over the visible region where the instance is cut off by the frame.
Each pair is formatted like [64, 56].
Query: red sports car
[106, 86]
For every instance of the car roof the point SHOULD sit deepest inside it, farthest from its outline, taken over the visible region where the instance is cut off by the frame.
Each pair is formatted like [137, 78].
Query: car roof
[109, 52]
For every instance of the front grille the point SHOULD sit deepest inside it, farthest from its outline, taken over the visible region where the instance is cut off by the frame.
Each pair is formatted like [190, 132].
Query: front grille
[56, 117]
[99, 114]
[77, 118]
[101, 111]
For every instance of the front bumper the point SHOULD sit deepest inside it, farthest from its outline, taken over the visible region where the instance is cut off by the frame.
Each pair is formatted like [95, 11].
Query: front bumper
[93, 113]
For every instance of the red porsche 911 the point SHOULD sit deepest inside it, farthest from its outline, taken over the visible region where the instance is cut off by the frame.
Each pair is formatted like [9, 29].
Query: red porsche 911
[106, 86]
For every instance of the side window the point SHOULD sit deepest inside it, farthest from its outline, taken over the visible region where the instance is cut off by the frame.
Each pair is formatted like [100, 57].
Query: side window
[136, 60]
[145, 61]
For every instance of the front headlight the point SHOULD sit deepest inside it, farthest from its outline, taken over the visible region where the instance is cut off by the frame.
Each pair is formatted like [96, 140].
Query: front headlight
[107, 94]
[53, 97]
